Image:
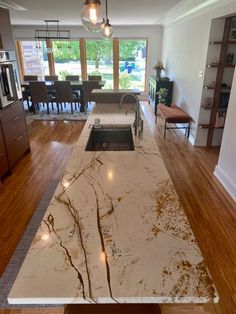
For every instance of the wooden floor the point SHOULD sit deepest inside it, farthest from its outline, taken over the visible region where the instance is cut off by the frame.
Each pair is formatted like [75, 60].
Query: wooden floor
[211, 212]
[21, 192]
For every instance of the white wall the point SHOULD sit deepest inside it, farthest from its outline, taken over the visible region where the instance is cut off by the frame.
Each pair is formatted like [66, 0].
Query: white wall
[152, 33]
[185, 51]
[225, 171]
[185, 48]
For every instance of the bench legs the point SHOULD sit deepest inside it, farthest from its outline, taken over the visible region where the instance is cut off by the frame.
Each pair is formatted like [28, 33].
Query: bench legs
[187, 129]
[165, 130]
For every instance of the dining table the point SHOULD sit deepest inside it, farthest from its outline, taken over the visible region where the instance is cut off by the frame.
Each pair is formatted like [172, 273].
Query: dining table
[75, 85]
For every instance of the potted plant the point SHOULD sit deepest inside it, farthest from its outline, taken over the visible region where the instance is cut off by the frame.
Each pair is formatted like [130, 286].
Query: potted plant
[159, 67]
[162, 93]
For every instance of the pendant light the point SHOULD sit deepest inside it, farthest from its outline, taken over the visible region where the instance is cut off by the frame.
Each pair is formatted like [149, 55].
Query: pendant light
[107, 30]
[91, 15]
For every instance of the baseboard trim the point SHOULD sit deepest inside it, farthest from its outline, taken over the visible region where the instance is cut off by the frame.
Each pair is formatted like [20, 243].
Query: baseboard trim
[226, 182]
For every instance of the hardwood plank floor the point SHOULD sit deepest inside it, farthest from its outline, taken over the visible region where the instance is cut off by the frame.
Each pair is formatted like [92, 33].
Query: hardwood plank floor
[21, 192]
[210, 210]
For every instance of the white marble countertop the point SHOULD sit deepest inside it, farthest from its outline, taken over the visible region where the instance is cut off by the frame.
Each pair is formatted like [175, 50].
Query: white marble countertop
[115, 231]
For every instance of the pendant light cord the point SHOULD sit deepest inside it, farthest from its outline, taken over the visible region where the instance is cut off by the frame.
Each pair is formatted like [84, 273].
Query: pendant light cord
[106, 11]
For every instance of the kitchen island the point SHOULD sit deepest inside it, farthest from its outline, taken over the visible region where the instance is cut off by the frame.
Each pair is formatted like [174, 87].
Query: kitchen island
[114, 232]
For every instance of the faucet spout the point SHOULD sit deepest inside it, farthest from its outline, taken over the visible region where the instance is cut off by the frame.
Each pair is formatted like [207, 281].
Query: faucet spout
[138, 122]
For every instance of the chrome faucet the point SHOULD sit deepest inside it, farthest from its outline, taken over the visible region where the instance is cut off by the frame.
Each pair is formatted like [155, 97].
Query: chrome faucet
[138, 122]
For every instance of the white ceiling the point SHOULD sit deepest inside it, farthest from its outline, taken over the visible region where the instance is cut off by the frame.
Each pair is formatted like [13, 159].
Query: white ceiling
[121, 12]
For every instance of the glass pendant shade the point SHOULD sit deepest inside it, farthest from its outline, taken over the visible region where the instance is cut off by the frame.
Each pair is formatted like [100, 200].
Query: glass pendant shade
[92, 16]
[107, 30]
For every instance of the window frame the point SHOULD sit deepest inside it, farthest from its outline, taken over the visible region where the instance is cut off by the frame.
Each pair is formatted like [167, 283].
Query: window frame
[83, 59]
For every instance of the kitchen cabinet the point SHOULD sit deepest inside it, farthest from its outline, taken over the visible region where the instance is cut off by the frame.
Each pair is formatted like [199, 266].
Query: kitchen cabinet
[4, 166]
[6, 37]
[15, 132]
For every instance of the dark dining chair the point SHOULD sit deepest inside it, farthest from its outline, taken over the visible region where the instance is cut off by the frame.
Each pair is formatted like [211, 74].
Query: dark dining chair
[95, 77]
[39, 94]
[26, 92]
[88, 86]
[72, 77]
[51, 78]
[63, 94]
[28, 78]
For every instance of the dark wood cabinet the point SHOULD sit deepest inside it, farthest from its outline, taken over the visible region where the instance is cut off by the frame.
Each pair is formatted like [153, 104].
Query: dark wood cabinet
[14, 131]
[4, 166]
[154, 87]
[14, 141]
[6, 37]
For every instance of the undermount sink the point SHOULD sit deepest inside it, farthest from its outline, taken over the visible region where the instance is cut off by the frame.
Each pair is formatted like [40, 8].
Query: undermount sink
[110, 137]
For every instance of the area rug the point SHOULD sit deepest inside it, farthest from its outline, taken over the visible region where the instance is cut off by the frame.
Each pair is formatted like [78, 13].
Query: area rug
[64, 115]
[9, 276]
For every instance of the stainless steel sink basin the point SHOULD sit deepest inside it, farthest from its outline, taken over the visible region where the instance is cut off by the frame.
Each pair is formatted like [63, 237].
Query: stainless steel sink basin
[110, 137]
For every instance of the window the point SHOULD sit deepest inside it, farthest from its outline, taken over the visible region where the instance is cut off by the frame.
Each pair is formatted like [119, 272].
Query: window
[35, 61]
[100, 60]
[132, 64]
[66, 58]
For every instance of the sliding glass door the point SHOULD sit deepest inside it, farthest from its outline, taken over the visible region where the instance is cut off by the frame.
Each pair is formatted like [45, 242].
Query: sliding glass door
[66, 58]
[132, 63]
[99, 54]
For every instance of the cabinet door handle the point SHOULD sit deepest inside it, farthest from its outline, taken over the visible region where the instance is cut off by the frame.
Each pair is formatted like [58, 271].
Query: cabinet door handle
[15, 118]
[19, 138]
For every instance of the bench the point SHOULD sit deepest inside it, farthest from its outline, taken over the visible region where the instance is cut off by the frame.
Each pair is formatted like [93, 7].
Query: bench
[174, 114]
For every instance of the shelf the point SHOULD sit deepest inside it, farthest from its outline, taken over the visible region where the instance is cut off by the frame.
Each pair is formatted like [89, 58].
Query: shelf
[217, 109]
[207, 126]
[215, 42]
[214, 65]
[226, 88]
[231, 42]
[204, 126]
[209, 87]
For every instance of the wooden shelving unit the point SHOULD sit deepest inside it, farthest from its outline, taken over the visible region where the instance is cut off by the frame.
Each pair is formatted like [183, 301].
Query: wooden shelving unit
[223, 62]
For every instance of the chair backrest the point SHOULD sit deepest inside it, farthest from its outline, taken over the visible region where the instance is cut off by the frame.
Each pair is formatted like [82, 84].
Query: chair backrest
[28, 78]
[39, 92]
[72, 77]
[95, 77]
[88, 86]
[63, 91]
[51, 78]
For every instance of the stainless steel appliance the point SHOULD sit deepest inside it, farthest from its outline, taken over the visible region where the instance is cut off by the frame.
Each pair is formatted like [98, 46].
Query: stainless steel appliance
[10, 90]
